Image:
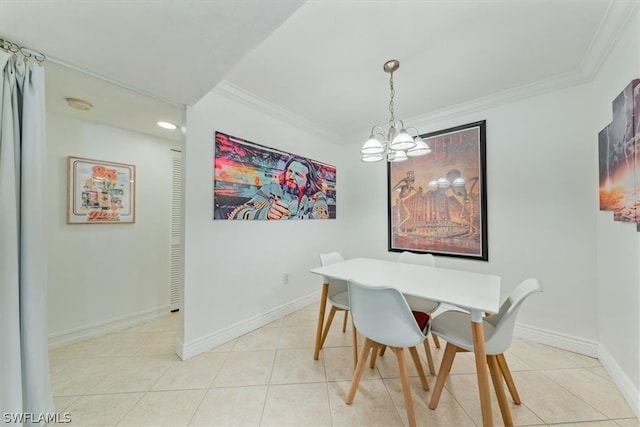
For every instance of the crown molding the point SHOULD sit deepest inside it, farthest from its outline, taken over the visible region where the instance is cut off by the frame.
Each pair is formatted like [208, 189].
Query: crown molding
[235, 93]
[506, 97]
[617, 18]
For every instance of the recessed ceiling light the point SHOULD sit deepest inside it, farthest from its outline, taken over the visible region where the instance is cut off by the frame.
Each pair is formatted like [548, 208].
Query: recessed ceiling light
[167, 125]
[79, 104]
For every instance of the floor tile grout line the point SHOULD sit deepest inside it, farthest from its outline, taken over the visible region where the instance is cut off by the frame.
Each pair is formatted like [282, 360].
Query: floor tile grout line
[327, 389]
[576, 396]
[213, 380]
[131, 409]
[464, 410]
[268, 385]
[204, 395]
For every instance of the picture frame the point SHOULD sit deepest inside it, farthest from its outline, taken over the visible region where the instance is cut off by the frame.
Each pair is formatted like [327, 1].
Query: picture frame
[619, 158]
[437, 203]
[254, 182]
[100, 192]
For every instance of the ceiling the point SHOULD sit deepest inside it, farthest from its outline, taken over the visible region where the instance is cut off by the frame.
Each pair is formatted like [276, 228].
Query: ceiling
[320, 60]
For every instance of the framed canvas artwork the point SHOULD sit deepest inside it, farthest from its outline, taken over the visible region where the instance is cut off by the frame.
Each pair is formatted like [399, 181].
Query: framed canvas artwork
[255, 182]
[437, 202]
[100, 192]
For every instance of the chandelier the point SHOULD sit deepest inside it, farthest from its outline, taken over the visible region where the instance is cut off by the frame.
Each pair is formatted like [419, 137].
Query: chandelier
[395, 144]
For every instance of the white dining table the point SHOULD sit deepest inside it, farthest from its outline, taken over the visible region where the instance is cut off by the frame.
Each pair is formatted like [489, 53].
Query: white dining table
[476, 292]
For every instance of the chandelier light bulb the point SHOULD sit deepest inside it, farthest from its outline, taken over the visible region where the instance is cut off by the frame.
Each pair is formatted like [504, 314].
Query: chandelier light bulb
[372, 146]
[397, 156]
[420, 149]
[370, 158]
[403, 141]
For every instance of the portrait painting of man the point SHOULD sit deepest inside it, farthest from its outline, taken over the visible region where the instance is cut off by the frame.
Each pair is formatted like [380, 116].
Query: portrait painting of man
[254, 182]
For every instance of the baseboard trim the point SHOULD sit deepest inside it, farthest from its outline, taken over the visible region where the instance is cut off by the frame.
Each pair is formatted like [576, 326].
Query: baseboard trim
[81, 333]
[556, 339]
[626, 387]
[587, 348]
[187, 350]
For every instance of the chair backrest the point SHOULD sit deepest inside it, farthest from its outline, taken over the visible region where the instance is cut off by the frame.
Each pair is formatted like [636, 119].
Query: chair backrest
[383, 315]
[428, 260]
[421, 259]
[335, 286]
[499, 339]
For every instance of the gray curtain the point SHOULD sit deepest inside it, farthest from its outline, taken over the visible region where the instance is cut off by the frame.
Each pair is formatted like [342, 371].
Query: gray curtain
[25, 385]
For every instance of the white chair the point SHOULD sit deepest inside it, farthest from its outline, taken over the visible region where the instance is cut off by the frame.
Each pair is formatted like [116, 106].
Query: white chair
[338, 297]
[422, 304]
[384, 318]
[453, 327]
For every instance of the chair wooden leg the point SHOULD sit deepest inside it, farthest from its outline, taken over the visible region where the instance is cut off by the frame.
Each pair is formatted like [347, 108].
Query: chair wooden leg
[366, 347]
[506, 373]
[327, 325]
[374, 356]
[427, 350]
[344, 321]
[380, 353]
[416, 361]
[406, 388]
[382, 349]
[496, 377]
[436, 340]
[445, 366]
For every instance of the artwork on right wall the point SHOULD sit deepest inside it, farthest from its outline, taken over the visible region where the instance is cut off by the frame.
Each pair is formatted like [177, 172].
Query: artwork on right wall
[619, 157]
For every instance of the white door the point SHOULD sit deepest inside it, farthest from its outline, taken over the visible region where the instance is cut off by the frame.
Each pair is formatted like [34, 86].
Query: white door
[176, 230]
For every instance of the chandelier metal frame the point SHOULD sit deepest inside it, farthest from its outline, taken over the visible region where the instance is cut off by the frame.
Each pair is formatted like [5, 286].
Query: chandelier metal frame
[395, 144]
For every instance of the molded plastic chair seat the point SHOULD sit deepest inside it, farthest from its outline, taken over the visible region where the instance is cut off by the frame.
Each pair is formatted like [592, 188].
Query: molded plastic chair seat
[384, 318]
[453, 326]
[422, 304]
[419, 305]
[340, 300]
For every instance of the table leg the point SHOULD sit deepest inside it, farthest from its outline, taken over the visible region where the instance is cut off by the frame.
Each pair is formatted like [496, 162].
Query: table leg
[323, 306]
[355, 343]
[477, 329]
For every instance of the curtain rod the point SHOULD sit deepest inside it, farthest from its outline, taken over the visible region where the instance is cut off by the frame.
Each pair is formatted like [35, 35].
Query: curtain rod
[14, 48]
[11, 47]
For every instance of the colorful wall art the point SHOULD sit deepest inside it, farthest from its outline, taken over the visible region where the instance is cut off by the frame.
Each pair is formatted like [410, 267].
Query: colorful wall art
[254, 182]
[619, 158]
[100, 192]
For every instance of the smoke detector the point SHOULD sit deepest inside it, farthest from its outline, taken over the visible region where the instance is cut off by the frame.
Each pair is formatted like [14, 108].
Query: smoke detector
[79, 104]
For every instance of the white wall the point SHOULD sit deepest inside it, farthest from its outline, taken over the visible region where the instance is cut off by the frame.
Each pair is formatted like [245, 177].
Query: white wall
[543, 222]
[233, 269]
[542, 175]
[618, 244]
[105, 276]
[540, 184]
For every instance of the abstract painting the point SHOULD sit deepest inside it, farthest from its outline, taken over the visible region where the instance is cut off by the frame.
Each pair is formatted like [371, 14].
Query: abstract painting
[619, 160]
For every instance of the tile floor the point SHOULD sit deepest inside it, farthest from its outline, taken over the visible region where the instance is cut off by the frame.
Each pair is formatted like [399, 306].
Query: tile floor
[269, 378]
